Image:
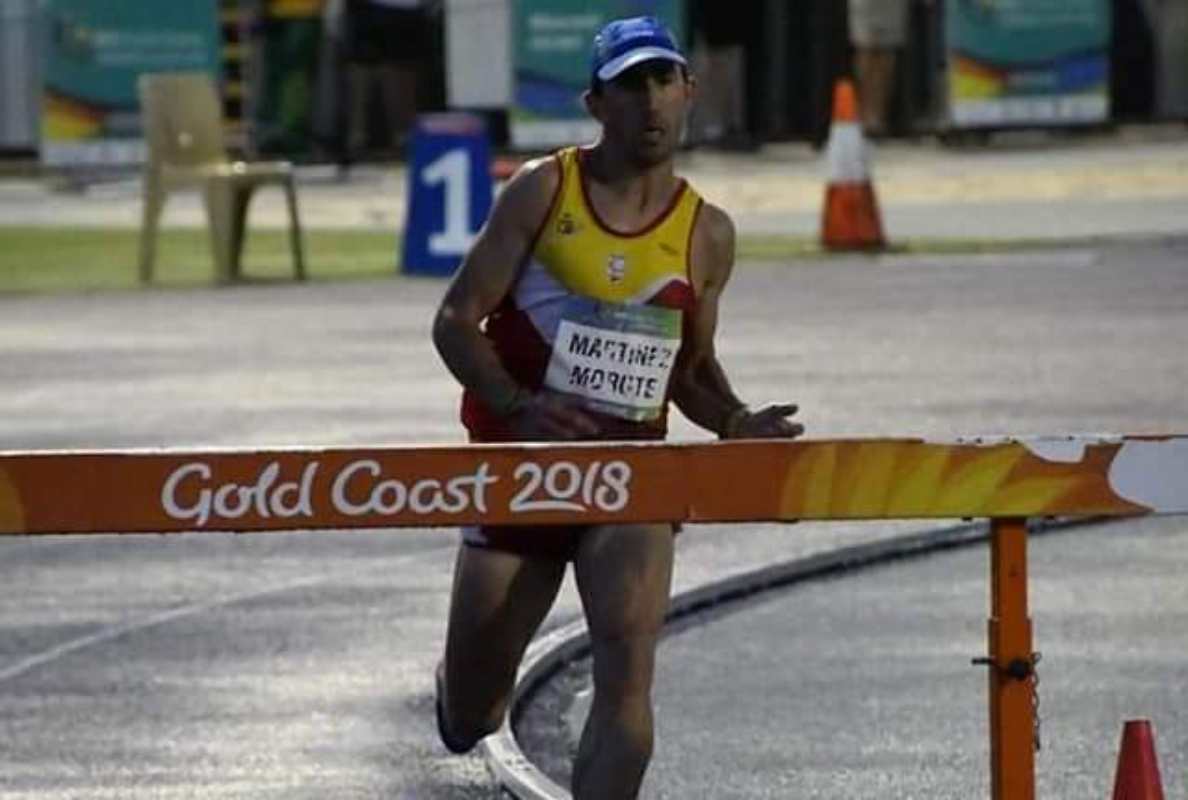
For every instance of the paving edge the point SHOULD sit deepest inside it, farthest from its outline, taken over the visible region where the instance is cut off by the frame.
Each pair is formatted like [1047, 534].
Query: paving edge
[550, 653]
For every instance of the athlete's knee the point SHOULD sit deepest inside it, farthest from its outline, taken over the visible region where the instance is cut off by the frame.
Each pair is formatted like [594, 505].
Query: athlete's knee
[622, 709]
[624, 665]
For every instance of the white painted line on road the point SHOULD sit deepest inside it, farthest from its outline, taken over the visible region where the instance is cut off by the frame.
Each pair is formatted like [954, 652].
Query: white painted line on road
[109, 633]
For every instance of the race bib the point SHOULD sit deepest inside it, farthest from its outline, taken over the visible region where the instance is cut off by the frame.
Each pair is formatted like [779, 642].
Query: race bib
[616, 359]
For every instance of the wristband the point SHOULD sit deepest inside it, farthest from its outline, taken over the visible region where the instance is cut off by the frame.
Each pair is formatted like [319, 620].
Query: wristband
[732, 421]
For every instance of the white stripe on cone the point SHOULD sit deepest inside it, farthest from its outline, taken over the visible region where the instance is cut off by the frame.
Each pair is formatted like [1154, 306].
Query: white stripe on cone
[845, 154]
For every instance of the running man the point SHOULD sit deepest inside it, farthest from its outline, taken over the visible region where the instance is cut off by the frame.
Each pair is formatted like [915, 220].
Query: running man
[594, 242]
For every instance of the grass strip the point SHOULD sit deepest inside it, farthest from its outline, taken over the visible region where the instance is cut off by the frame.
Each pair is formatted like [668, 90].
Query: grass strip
[49, 259]
[54, 259]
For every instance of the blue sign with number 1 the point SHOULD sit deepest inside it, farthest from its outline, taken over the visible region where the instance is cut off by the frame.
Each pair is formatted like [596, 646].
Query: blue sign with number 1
[449, 192]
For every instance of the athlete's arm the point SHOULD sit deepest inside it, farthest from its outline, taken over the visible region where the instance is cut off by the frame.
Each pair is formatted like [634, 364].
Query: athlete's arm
[701, 389]
[484, 278]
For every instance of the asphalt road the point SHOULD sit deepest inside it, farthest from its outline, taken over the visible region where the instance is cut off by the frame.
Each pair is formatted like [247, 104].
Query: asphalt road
[298, 665]
[861, 685]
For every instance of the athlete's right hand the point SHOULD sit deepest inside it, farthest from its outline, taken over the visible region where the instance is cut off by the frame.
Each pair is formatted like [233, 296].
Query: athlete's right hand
[548, 416]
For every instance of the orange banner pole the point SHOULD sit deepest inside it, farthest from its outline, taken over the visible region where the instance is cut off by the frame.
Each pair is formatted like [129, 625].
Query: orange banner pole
[1012, 666]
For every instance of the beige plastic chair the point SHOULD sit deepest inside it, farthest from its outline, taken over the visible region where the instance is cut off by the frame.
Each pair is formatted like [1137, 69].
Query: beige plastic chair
[183, 124]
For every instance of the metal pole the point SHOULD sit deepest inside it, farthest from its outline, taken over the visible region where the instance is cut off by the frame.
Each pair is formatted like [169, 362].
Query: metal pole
[1012, 668]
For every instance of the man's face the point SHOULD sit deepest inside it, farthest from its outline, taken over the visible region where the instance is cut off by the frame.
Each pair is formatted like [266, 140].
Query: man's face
[643, 110]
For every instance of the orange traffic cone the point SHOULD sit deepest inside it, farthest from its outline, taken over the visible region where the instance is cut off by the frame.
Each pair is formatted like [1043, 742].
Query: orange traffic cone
[851, 217]
[503, 168]
[1138, 769]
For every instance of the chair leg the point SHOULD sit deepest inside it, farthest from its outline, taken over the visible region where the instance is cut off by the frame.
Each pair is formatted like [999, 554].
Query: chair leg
[295, 230]
[219, 213]
[152, 204]
[241, 197]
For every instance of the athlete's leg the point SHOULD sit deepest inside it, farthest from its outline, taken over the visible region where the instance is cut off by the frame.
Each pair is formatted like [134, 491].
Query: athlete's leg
[498, 601]
[624, 574]
[875, 69]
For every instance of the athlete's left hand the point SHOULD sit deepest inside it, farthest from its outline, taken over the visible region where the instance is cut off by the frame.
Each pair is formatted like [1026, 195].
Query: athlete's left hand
[770, 422]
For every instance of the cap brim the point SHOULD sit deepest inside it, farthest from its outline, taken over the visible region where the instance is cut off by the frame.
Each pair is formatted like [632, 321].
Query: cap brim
[616, 66]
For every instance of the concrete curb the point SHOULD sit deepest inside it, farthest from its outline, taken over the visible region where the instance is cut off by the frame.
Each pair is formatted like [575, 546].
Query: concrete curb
[548, 654]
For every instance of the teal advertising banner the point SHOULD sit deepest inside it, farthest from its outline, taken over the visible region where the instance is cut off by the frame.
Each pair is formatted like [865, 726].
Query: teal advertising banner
[94, 52]
[551, 63]
[1021, 62]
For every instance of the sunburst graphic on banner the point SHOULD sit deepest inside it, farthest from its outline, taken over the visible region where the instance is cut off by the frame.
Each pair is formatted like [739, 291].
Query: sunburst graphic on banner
[12, 518]
[904, 479]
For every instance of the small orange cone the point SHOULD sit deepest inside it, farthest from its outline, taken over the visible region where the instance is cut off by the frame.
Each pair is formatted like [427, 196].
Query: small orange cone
[504, 168]
[851, 217]
[1138, 769]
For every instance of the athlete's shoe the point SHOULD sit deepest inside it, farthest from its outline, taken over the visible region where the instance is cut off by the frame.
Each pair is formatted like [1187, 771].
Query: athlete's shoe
[454, 744]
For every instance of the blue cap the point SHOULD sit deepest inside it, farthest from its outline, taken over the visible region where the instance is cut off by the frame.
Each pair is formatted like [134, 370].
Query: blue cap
[623, 43]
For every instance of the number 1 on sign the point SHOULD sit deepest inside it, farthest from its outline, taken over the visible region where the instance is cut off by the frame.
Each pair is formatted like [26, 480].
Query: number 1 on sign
[453, 170]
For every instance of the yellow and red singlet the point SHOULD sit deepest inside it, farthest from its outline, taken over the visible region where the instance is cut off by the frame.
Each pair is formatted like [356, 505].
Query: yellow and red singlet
[595, 313]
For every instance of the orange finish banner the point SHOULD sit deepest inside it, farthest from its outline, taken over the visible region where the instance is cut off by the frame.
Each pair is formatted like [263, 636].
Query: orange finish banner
[300, 489]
